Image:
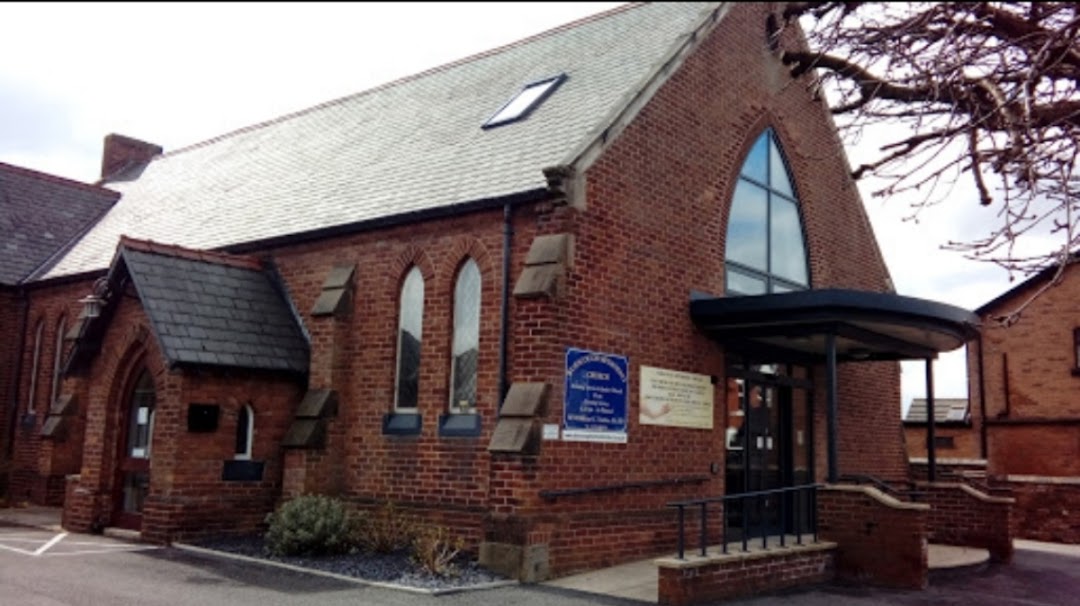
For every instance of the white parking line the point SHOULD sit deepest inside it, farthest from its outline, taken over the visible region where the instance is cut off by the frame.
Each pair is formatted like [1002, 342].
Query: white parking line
[63, 544]
[52, 541]
[99, 551]
[16, 550]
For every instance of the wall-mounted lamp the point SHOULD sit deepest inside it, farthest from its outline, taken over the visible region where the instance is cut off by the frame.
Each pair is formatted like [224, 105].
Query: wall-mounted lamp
[93, 302]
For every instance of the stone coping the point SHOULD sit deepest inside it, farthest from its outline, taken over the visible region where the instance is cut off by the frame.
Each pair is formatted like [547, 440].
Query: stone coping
[940, 461]
[735, 553]
[878, 495]
[978, 494]
[1028, 479]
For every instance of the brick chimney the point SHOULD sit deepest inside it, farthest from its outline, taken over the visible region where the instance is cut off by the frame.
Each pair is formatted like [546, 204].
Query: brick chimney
[123, 152]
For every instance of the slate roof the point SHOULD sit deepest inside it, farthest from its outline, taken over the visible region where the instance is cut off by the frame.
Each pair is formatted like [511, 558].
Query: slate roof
[946, 410]
[214, 309]
[409, 146]
[39, 214]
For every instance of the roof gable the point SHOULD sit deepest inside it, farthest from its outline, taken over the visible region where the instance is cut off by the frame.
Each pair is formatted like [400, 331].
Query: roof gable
[211, 309]
[406, 148]
[39, 215]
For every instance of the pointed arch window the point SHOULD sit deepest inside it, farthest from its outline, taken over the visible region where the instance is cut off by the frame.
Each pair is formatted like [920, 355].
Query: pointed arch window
[765, 250]
[39, 333]
[57, 359]
[410, 333]
[465, 348]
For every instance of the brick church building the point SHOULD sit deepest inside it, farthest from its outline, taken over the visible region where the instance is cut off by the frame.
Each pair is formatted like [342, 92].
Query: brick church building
[536, 295]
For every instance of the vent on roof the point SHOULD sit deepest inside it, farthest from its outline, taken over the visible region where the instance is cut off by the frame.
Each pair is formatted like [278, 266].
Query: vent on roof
[523, 103]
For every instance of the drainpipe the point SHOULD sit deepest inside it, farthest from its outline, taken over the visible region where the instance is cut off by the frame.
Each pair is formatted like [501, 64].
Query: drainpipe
[1005, 383]
[831, 406]
[504, 329]
[982, 401]
[931, 448]
[16, 378]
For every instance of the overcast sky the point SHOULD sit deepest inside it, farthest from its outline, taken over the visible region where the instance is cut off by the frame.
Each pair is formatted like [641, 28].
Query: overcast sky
[176, 74]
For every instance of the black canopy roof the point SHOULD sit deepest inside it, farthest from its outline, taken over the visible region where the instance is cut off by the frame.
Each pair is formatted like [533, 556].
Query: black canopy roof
[792, 327]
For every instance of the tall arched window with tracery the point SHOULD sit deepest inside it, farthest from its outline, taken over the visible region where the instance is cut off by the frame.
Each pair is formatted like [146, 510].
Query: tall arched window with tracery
[58, 355]
[465, 347]
[410, 333]
[765, 251]
[35, 366]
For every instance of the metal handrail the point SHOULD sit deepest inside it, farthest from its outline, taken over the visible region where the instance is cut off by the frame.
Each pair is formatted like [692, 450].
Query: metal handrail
[703, 503]
[911, 494]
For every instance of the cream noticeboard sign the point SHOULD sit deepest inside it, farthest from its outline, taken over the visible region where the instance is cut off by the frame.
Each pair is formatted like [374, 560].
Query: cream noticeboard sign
[675, 398]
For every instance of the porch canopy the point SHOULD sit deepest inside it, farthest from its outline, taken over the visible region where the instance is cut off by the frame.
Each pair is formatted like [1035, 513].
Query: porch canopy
[830, 326]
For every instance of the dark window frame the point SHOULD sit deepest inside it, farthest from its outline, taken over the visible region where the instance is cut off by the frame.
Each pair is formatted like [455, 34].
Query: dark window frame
[769, 277]
[554, 82]
[1076, 351]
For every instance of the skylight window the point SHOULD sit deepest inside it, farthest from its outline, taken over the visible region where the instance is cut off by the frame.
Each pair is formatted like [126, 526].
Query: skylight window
[525, 101]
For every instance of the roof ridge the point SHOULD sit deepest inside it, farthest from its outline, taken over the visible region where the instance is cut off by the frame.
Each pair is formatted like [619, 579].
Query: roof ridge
[58, 180]
[404, 79]
[192, 254]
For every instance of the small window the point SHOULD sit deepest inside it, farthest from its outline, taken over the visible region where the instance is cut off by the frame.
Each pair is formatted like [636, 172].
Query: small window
[245, 426]
[525, 101]
[466, 342]
[410, 331]
[944, 442]
[1076, 349]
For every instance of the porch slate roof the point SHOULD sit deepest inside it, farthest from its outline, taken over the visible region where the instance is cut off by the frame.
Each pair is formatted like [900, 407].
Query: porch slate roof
[413, 146]
[39, 215]
[215, 311]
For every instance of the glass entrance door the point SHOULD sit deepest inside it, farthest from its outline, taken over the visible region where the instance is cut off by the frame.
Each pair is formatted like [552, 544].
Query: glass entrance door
[133, 475]
[768, 447]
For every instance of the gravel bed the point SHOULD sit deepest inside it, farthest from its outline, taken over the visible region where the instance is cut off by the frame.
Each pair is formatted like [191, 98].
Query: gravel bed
[395, 568]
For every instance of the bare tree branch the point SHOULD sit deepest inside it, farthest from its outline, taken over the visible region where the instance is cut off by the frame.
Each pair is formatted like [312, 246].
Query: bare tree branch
[987, 88]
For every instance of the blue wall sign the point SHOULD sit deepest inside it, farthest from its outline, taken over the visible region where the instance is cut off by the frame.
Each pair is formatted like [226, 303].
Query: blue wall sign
[595, 399]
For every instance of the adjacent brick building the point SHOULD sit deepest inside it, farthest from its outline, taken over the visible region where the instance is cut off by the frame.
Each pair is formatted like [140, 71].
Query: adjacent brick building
[1025, 375]
[490, 296]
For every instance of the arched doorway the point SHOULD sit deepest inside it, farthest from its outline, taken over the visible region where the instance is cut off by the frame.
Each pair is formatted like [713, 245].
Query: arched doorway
[133, 471]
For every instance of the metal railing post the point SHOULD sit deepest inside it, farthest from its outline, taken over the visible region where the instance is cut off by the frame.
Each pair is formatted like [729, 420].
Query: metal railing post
[703, 536]
[682, 526]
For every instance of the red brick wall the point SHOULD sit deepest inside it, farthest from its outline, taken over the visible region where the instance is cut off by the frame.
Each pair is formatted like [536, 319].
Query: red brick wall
[187, 494]
[1046, 509]
[1041, 384]
[732, 578]
[39, 465]
[960, 516]
[965, 441]
[10, 324]
[653, 231]
[425, 471]
[880, 541]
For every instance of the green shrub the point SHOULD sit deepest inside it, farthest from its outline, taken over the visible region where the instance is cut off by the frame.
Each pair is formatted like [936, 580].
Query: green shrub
[310, 525]
[434, 548]
[386, 530]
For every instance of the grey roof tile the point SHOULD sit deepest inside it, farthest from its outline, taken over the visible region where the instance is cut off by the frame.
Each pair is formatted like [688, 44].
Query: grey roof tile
[39, 215]
[412, 145]
[210, 329]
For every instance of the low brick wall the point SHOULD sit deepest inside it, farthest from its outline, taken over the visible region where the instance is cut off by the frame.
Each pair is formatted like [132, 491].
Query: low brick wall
[702, 579]
[962, 515]
[880, 540]
[1047, 508]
